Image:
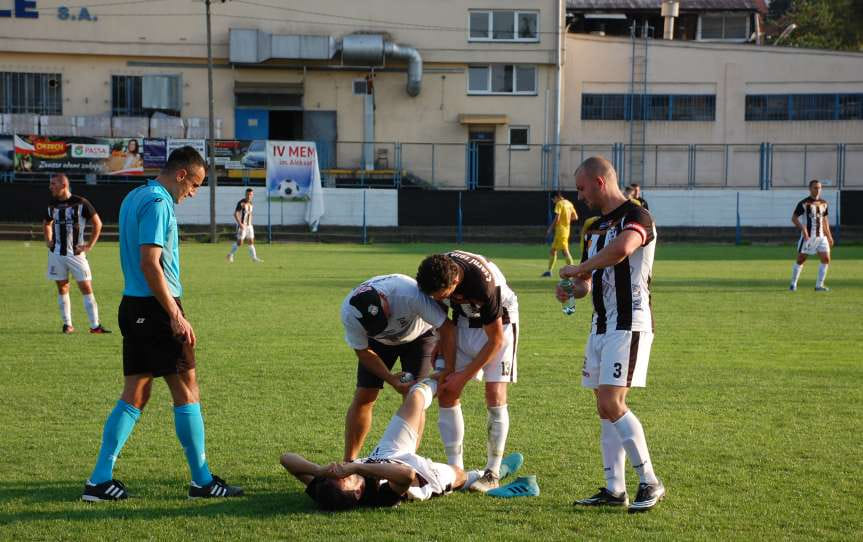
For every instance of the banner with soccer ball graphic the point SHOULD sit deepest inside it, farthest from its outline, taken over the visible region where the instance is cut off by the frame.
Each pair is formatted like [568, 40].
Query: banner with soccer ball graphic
[293, 173]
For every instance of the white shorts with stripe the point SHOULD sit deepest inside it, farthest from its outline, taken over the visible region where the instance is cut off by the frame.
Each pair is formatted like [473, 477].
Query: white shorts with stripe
[617, 358]
[245, 232]
[503, 367]
[399, 444]
[815, 245]
[60, 266]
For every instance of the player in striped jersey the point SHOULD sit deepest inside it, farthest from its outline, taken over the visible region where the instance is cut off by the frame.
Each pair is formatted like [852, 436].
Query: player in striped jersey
[485, 310]
[245, 229]
[616, 265]
[815, 235]
[64, 226]
[393, 473]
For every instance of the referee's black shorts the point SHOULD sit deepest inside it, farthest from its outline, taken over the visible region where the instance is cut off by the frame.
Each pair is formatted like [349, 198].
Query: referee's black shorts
[415, 358]
[149, 344]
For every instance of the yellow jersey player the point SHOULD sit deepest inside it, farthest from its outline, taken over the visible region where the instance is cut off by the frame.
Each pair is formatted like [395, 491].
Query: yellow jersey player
[564, 215]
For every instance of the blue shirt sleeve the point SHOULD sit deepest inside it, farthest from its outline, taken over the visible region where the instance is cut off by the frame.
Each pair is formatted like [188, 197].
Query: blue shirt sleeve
[153, 223]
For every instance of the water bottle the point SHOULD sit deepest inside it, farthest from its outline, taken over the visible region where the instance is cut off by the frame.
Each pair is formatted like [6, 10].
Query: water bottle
[569, 305]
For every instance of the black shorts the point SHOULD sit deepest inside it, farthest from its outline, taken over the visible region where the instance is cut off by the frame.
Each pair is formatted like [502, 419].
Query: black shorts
[149, 344]
[415, 356]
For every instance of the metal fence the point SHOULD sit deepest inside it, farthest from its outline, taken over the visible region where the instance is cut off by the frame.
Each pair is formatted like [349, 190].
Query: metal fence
[480, 165]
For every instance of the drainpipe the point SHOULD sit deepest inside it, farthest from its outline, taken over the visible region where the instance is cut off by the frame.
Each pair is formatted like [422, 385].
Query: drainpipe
[670, 10]
[558, 83]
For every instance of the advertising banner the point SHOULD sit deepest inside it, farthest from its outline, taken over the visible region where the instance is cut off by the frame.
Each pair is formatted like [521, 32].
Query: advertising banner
[240, 154]
[7, 153]
[199, 145]
[106, 156]
[293, 173]
[155, 153]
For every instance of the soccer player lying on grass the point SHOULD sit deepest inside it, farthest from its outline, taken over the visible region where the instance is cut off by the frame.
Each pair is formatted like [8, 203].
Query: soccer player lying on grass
[393, 473]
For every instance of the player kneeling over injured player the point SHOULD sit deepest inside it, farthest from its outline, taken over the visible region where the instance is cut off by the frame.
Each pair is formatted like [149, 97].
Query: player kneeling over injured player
[393, 473]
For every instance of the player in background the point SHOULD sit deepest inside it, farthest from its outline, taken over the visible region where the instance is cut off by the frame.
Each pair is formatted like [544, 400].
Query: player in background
[636, 195]
[486, 314]
[815, 235]
[391, 474]
[616, 265]
[564, 215]
[64, 227]
[387, 317]
[158, 340]
[245, 229]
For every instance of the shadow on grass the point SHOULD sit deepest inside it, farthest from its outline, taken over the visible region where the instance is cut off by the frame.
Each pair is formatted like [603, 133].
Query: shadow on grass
[62, 500]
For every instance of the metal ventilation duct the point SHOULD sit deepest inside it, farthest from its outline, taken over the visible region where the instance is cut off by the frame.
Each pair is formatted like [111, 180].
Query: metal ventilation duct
[251, 46]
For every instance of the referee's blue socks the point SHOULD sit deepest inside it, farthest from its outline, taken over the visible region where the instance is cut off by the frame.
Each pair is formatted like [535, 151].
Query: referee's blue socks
[190, 430]
[117, 429]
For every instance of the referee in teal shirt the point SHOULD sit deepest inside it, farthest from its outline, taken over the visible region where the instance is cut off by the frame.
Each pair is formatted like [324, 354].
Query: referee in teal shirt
[158, 341]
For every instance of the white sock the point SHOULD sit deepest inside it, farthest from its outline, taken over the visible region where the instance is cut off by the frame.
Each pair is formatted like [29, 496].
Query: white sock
[613, 457]
[92, 310]
[498, 429]
[234, 248]
[795, 272]
[451, 425]
[252, 252]
[822, 274]
[65, 309]
[632, 437]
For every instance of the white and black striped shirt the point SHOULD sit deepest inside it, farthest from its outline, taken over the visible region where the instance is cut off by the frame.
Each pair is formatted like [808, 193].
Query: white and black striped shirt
[68, 218]
[245, 209]
[815, 211]
[621, 294]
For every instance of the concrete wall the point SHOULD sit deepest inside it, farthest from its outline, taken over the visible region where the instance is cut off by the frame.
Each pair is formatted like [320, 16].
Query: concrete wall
[603, 65]
[342, 207]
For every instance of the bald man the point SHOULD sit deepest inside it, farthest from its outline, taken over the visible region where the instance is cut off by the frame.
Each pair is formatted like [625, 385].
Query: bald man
[616, 265]
[64, 226]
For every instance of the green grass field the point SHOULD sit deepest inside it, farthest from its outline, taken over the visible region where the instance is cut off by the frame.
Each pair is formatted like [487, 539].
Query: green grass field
[751, 410]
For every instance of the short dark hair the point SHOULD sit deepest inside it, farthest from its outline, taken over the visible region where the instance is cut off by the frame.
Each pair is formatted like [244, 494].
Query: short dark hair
[635, 185]
[249, 190]
[183, 158]
[330, 497]
[813, 181]
[436, 272]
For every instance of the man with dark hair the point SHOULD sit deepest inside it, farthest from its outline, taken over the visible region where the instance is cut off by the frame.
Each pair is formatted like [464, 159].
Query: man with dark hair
[245, 229]
[617, 266]
[158, 341]
[636, 195]
[564, 215]
[815, 235]
[385, 318]
[391, 474]
[64, 227]
[486, 314]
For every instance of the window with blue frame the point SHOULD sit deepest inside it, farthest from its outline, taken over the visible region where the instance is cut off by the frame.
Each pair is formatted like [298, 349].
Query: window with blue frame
[760, 107]
[657, 107]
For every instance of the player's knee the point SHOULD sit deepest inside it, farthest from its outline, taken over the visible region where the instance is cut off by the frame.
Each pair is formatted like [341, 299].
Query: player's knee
[423, 392]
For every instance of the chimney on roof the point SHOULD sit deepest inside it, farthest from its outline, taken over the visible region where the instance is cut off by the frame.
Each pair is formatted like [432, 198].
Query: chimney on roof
[670, 11]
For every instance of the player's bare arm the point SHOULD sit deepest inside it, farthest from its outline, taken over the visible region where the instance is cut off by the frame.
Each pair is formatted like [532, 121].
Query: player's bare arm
[447, 347]
[152, 269]
[374, 364]
[48, 231]
[554, 223]
[796, 221]
[303, 469]
[237, 218]
[826, 229]
[494, 332]
[623, 245]
[94, 235]
[400, 477]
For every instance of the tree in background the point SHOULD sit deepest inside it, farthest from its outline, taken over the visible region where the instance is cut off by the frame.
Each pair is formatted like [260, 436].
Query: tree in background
[821, 24]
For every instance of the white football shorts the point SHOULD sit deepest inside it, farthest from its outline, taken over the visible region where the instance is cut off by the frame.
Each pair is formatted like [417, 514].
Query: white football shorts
[617, 358]
[815, 245]
[503, 367]
[60, 266]
[245, 232]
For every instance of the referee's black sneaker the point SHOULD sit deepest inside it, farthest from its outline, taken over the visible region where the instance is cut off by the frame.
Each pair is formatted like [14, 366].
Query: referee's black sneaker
[216, 488]
[604, 498]
[112, 490]
[648, 496]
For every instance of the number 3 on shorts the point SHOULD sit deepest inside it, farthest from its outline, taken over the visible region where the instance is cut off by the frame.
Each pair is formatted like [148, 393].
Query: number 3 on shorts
[617, 369]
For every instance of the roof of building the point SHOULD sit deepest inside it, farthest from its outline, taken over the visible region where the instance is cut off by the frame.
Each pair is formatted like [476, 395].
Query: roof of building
[689, 5]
